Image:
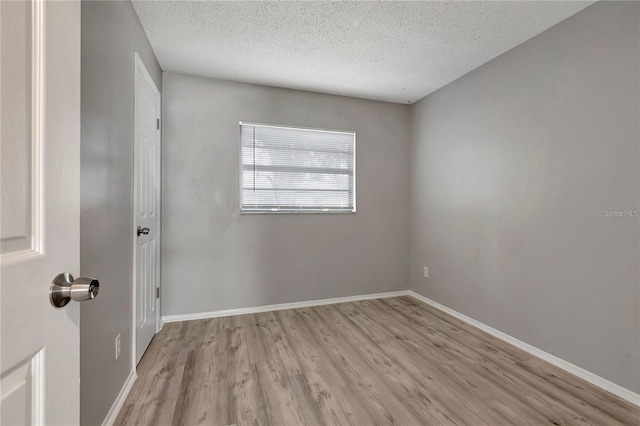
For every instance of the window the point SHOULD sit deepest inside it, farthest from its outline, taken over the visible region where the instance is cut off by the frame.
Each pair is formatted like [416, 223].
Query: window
[295, 170]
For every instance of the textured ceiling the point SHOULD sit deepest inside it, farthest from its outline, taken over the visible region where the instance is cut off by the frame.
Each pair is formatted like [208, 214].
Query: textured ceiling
[393, 51]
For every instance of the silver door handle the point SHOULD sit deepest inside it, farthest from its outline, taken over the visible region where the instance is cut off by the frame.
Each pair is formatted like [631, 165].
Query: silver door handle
[65, 289]
[143, 231]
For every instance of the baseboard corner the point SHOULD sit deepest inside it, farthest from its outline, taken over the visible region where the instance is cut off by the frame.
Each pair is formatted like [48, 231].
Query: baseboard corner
[110, 419]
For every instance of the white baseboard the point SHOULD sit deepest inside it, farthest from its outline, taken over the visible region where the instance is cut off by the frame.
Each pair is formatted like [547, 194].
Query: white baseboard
[588, 376]
[280, 306]
[110, 419]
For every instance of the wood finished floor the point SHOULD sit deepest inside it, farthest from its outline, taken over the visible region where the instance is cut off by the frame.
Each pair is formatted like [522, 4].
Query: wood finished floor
[389, 361]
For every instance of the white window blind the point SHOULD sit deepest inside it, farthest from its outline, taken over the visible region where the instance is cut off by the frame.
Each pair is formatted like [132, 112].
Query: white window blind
[288, 169]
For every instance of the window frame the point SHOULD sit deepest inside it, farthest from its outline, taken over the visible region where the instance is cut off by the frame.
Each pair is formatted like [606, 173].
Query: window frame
[290, 211]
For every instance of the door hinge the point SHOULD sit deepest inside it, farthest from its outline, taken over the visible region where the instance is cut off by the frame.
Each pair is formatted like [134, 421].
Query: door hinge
[158, 124]
[157, 292]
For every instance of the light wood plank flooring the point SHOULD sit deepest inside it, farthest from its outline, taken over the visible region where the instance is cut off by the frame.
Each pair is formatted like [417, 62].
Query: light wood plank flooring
[389, 361]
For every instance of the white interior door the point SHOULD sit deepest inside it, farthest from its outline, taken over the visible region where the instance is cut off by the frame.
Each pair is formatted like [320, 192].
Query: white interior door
[147, 207]
[40, 194]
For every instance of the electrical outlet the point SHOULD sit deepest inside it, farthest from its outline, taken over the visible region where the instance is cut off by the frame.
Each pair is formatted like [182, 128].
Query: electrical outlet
[425, 272]
[118, 346]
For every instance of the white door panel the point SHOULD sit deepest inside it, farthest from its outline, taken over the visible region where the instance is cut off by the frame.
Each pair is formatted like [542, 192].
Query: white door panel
[39, 230]
[147, 175]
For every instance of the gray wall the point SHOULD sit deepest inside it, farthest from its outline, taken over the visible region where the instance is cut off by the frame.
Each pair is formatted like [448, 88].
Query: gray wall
[214, 258]
[511, 166]
[111, 33]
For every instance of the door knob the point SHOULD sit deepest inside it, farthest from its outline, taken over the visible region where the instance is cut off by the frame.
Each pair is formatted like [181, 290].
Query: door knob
[64, 289]
[143, 231]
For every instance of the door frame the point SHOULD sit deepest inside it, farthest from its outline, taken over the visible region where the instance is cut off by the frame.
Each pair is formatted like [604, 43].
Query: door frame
[139, 65]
